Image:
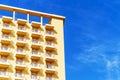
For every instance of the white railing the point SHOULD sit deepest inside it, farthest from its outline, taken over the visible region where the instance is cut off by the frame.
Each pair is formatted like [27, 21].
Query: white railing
[35, 77]
[3, 60]
[21, 28]
[49, 78]
[35, 53]
[4, 48]
[21, 39]
[35, 30]
[50, 55]
[20, 63]
[35, 41]
[35, 65]
[51, 33]
[50, 43]
[5, 25]
[3, 73]
[21, 50]
[5, 36]
[50, 66]
[19, 75]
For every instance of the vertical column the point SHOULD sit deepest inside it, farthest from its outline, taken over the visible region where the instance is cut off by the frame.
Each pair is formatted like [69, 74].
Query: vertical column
[41, 20]
[14, 15]
[28, 18]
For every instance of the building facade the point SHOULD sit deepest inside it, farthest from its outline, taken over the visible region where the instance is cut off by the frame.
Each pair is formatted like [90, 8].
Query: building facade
[31, 50]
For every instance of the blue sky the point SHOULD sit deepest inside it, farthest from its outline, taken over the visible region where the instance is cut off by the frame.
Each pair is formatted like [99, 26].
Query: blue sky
[92, 35]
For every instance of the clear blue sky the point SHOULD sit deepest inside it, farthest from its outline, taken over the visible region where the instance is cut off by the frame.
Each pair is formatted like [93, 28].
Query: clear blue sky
[92, 35]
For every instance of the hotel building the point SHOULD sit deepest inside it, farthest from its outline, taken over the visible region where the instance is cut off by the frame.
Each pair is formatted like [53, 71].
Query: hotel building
[31, 50]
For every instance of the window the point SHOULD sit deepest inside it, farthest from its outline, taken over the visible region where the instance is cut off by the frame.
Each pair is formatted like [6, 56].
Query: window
[20, 38]
[18, 74]
[19, 49]
[2, 72]
[35, 29]
[34, 76]
[3, 58]
[34, 63]
[5, 25]
[21, 27]
[19, 61]
[49, 77]
[4, 47]
[6, 36]
[49, 65]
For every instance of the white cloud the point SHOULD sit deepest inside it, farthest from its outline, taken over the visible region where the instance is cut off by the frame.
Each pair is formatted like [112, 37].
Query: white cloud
[108, 63]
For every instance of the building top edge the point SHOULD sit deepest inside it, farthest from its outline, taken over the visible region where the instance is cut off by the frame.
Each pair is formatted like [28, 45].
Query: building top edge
[31, 12]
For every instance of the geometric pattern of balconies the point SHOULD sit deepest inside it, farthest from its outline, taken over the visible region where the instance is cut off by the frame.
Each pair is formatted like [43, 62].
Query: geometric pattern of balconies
[21, 51]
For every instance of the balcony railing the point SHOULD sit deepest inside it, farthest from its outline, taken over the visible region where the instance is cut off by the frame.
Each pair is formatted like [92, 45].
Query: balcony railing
[21, 28]
[50, 67]
[35, 77]
[21, 39]
[3, 60]
[19, 75]
[35, 53]
[35, 65]
[35, 41]
[51, 44]
[3, 73]
[21, 51]
[5, 48]
[50, 55]
[36, 30]
[7, 26]
[20, 63]
[50, 33]
[5, 37]
[50, 78]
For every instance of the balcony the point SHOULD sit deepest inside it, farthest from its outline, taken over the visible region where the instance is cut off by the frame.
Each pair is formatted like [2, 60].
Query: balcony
[35, 77]
[6, 28]
[50, 57]
[4, 75]
[20, 65]
[4, 63]
[50, 45]
[36, 32]
[5, 39]
[35, 67]
[35, 54]
[50, 35]
[36, 43]
[20, 52]
[19, 76]
[5, 50]
[50, 69]
[49, 78]
[21, 30]
[21, 41]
